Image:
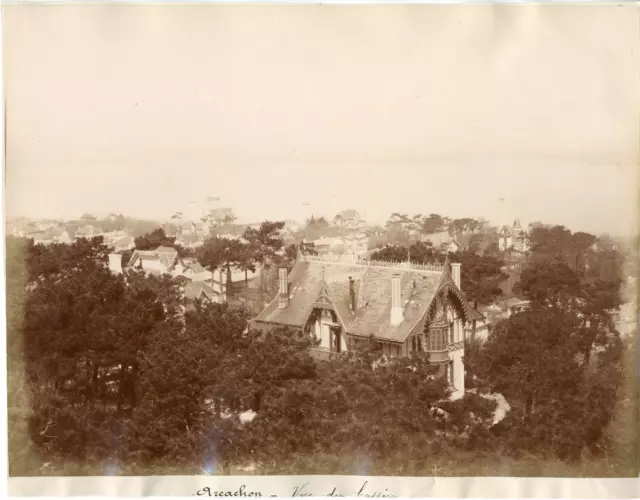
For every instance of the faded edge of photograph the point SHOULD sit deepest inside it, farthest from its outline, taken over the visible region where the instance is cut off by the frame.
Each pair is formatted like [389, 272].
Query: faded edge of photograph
[321, 240]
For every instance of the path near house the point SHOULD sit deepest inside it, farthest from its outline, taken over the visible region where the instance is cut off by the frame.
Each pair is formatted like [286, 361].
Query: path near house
[502, 405]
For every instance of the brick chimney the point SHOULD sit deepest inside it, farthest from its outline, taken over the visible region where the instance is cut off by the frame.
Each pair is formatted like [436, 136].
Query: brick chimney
[455, 273]
[283, 300]
[396, 301]
[352, 294]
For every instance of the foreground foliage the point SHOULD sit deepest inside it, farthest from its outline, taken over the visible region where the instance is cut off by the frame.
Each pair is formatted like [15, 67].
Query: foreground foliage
[107, 374]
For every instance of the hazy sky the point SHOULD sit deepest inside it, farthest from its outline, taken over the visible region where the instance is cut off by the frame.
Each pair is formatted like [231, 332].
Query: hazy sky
[284, 110]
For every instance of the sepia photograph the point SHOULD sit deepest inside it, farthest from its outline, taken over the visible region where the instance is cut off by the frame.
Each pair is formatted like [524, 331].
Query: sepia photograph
[321, 240]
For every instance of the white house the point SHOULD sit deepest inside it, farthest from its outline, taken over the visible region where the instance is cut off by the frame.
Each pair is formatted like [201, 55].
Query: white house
[442, 241]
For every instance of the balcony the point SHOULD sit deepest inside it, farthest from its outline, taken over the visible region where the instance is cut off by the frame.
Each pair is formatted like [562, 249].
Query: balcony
[457, 345]
[438, 356]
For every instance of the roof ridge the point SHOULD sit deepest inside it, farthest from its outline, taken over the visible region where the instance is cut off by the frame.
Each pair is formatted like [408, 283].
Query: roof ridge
[361, 261]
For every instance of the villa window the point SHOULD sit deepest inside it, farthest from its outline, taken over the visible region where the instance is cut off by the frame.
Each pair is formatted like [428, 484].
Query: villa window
[416, 343]
[437, 340]
[449, 368]
[452, 332]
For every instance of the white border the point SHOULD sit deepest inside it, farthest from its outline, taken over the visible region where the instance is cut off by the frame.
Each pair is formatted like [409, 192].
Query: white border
[282, 486]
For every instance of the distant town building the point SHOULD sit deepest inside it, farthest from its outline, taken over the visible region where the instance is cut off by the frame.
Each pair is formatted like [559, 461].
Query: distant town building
[405, 307]
[220, 216]
[477, 321]
[349, 246]
[220, 284]
[349, 219]
[123, 243]
[189, 240]
[88, 232]
[375, 231]
[162, 260]
[514, 237]
[194, 269]
[513, 305]
[442, 241]
[118, 238]
[46, 225]
[199, 290]
[503, 309]
[50, 237]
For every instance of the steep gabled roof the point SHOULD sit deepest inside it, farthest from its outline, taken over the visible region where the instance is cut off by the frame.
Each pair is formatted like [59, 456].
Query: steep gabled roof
[373, 318]
[309, 278]
[305, 283]
[167, 256]
[197, 289]
[196, 267]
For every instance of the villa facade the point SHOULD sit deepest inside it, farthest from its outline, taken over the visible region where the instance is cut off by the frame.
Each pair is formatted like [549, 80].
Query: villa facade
[407, 308]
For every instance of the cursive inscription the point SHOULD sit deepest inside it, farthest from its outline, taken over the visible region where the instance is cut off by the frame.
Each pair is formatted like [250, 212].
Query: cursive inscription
[240, 492]
[365, 491]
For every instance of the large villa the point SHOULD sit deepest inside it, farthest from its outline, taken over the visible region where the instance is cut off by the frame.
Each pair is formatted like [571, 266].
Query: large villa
[406, 307]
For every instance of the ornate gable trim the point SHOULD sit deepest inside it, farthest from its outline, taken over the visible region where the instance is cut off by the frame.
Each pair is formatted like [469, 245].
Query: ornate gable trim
[324, 300]
[448, 287]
